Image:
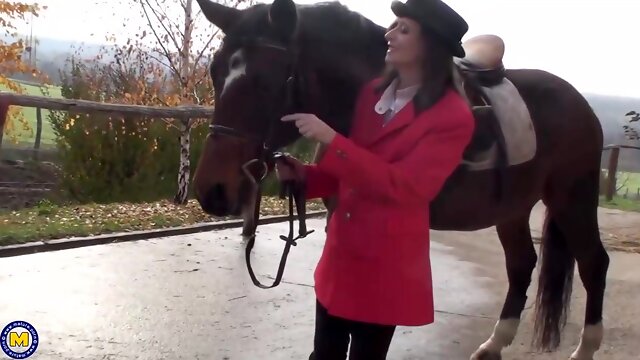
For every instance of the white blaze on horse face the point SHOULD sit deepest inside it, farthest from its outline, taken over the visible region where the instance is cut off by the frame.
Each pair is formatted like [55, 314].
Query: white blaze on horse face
[589, 342]
[503, 334]
[237, 69]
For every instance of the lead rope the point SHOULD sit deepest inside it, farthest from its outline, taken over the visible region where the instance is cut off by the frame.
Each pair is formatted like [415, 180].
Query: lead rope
[294, 190]
[290, 189]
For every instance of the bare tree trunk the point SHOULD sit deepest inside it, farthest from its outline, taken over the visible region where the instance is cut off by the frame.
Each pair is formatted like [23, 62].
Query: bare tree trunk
[4, 110]
[1, 137]
[184, 171]
[182, 196]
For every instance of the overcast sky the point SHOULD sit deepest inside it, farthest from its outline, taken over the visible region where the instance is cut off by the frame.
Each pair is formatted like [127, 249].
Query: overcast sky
[594, 44]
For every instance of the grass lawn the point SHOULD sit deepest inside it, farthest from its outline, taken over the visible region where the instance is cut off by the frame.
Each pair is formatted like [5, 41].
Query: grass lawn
[28, 137]
[620, 203]
[49, 221]
[631, 181]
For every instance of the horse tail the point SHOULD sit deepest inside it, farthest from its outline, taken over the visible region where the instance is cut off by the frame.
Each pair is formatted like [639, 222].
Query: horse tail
[554, 286]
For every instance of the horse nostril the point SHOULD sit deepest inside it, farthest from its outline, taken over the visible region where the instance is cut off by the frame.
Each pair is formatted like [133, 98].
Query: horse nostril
[217, 193]
[216, 201]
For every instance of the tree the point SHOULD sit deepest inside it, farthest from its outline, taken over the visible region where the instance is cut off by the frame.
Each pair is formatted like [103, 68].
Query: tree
[629, 130]
[11, 61]
[173, 36]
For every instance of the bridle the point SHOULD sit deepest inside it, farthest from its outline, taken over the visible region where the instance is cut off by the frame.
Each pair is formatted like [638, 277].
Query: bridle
[294, 190]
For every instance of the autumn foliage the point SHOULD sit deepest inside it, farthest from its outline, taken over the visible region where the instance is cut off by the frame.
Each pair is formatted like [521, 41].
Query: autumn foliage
[11, 62]
[119, 158]
[132, 158]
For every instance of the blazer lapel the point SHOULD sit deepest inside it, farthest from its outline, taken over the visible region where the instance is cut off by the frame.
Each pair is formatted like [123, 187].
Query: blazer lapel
[399, 121]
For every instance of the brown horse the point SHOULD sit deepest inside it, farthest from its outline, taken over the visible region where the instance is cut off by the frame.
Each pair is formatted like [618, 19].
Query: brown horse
[281, 58]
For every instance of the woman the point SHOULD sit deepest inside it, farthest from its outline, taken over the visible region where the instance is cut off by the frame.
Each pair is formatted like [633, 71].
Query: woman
[409, 131]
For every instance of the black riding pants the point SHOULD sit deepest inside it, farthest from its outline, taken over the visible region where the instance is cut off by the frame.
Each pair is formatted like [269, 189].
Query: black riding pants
[331, 341]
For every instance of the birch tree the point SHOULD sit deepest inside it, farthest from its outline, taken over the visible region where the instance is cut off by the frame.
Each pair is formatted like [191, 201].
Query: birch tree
[183, 42]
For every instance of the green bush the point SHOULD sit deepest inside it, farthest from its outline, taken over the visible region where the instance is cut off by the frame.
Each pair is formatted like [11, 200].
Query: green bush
[123, 158]
[119, 158]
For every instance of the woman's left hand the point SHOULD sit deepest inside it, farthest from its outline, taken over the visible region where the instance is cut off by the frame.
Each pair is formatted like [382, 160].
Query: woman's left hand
[311, 127]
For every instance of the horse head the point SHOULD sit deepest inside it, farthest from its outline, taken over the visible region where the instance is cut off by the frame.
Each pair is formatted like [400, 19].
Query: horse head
[277, 59]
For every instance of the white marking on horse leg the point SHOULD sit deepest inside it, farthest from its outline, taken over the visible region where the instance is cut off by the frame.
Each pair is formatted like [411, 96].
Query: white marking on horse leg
[589, 342]
[503, 334]
[237, 69]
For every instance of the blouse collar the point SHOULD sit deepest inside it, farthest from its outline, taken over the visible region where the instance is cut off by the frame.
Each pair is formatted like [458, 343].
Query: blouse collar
[394, 99]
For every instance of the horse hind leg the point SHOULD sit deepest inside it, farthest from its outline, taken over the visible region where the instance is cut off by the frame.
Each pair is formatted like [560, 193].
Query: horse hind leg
[574, 221]
[520, 257]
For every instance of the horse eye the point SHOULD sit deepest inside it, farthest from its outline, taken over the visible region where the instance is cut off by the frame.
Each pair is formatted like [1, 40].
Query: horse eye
[235, 62]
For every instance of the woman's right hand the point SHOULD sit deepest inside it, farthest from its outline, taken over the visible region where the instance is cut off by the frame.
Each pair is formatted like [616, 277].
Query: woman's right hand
[289, 168]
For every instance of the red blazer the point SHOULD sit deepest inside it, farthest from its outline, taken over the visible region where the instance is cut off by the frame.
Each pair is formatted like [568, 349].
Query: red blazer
[375, 264]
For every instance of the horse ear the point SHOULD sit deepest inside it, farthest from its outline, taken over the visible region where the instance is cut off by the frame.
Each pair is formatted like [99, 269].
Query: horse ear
[283, 17]
[219, 15]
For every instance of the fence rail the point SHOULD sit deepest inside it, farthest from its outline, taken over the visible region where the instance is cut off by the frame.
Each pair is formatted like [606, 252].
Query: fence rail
[613, 146]
[78, 106]
[26, 185]
[43, 102]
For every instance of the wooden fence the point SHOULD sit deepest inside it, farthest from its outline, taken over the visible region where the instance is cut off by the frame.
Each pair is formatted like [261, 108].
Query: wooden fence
[35, 151]
[176, 112]
[190, 112]
[183, 112]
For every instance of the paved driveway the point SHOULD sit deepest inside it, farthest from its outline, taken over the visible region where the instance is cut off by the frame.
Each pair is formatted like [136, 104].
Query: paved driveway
[189, 297]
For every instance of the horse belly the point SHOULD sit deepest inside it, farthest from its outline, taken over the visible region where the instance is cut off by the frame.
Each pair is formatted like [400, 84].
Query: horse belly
[469, 202]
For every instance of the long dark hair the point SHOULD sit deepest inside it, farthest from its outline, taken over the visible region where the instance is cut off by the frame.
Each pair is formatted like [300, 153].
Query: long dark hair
[437, 72]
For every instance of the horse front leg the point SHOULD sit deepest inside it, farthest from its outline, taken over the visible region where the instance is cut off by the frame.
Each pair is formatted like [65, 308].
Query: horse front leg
[520, 256]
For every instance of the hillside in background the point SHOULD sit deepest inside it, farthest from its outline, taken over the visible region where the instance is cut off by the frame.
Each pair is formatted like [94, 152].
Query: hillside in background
[611, 111]
[51, 55]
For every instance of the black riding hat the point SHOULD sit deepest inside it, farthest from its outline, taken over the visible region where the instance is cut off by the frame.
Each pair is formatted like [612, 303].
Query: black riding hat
[438, 18]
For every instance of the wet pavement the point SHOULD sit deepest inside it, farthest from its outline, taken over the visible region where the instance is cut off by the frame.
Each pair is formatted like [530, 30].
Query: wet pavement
[190, 297]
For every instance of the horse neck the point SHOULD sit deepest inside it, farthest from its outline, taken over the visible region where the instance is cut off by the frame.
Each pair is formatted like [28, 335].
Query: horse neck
[337, 74]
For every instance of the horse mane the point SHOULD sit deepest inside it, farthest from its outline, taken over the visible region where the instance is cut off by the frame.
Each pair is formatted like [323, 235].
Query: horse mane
[325, 25]
[337, 51]
[346, 28]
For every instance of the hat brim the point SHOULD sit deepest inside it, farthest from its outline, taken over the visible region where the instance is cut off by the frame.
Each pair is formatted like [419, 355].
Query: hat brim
[403, 10]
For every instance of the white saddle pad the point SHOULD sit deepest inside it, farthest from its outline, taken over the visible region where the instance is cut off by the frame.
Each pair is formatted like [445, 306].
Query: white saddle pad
[517, 127]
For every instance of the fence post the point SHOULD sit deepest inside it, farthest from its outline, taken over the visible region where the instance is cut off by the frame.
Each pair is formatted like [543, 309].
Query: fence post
[36, 146]
[613, 168]
[4, 109]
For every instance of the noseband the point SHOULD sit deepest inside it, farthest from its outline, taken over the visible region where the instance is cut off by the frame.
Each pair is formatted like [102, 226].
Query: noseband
[294, 190]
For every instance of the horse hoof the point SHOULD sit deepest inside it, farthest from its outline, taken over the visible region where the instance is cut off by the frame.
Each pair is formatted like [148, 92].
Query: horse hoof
[485, 355]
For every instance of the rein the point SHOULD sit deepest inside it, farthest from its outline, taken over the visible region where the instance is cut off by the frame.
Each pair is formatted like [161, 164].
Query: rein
[292, 189]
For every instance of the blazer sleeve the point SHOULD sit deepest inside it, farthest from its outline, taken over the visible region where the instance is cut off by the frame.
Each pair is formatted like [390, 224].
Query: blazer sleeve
[319, 183]
[416, 178]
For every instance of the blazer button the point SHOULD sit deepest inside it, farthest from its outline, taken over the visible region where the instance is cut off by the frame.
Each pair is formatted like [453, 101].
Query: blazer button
[347, 216]
[341, 154]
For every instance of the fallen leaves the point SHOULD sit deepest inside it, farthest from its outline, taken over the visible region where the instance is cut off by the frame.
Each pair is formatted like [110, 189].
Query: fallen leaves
[49, 221]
